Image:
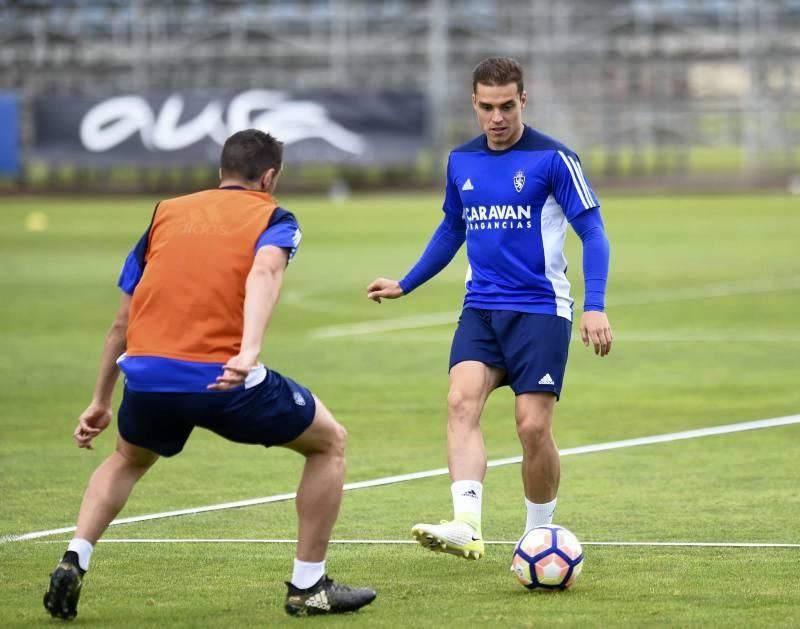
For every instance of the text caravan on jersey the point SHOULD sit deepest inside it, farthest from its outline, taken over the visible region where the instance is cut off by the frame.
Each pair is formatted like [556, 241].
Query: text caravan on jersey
[498, 217]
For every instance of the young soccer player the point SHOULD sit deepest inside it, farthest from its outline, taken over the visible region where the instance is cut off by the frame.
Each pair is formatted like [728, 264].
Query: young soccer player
[198, 291]
[510, 194]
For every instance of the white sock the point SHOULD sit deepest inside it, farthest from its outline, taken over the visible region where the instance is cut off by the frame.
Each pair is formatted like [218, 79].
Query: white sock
[539, 514]
[467, 497]
[84, 550]
[307, 573]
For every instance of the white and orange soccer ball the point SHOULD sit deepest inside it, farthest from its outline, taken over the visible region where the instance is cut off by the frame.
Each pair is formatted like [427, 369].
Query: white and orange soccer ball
[547, 558]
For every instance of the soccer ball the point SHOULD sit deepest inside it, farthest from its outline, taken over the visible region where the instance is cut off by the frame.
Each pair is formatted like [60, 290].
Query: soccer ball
[547, 558]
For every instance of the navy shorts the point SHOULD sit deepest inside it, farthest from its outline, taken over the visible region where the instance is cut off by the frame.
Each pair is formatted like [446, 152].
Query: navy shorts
[531, 348]
[271, 413]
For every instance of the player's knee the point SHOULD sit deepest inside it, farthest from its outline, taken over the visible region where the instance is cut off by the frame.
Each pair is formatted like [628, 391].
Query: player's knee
[334, 441]
[134, 456]
[533, 431]
[462, 406]
[339, 440]
[334, 435]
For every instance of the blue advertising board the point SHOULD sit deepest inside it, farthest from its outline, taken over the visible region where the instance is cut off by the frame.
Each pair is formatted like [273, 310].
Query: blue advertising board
[9, 134]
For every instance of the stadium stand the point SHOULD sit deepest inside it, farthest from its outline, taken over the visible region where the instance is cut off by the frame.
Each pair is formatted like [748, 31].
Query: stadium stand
[650, 86]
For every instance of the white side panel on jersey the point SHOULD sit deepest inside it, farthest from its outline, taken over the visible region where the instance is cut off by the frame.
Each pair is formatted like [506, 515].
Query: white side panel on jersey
[468, 279]
[554, 232]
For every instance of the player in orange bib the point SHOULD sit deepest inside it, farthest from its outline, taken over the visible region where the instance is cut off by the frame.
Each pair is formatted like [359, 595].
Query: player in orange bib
[198, 291]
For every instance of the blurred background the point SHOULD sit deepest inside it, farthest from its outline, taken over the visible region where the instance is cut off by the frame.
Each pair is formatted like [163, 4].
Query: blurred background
[137, 95]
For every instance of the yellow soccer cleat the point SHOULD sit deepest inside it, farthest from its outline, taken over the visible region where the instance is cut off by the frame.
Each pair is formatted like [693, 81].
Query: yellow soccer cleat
[454, 537]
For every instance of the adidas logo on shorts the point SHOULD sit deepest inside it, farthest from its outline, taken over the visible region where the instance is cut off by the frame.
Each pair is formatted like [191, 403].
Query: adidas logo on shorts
[546, 379]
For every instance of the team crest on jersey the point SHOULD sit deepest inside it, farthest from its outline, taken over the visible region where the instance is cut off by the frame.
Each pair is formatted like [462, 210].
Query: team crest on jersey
[519, 180]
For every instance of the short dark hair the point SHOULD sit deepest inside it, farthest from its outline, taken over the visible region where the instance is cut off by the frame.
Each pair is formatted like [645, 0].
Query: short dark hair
[249, 154]
[497, 71]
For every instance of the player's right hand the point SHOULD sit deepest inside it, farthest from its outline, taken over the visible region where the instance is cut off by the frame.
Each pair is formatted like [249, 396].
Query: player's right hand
[382, 288]
[91, 423]
[234, 373]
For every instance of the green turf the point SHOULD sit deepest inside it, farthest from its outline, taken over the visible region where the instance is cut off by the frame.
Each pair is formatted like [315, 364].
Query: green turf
[703, 298]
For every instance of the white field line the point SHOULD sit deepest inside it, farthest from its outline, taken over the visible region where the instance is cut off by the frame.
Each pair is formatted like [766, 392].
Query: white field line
[384, 325]
[307, 301]
[390, 480]
[619, 337]
[704, 291]
[731, 336]
[409, 541]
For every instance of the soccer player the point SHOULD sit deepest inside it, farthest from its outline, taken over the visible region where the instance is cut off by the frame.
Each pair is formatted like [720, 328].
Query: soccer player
[510, 193]
[198, 291]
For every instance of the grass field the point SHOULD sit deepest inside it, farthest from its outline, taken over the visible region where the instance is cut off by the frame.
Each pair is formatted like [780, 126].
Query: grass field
[704, 299]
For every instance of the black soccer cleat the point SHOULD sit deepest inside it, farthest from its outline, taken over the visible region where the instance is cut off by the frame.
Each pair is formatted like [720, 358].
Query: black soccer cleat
[61, 599]
[326, 597]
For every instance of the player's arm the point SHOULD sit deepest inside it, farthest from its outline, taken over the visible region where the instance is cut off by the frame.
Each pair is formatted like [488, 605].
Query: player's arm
[579, 202]
[443, 245]
[594, 325]
[262, 289]
[98, 414]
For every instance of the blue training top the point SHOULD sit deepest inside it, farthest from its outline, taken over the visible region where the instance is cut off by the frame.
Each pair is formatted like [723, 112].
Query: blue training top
[512, 208]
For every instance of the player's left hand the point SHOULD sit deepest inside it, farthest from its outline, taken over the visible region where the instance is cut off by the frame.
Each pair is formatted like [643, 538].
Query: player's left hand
[596, 329]
[94, 420]
[234, 373]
